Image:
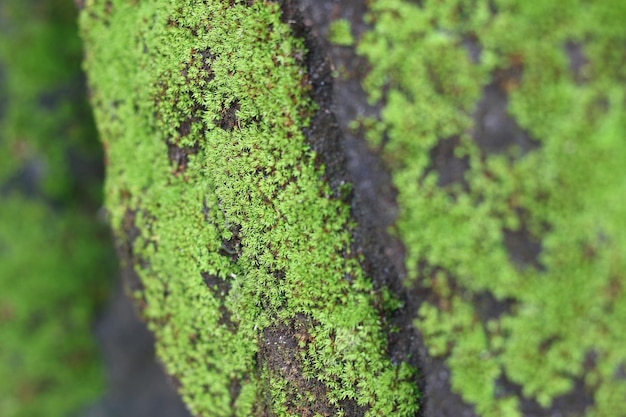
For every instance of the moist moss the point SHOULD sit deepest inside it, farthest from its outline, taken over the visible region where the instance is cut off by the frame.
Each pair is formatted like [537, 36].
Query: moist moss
[201, 108]
[54, 257]
[535, 216]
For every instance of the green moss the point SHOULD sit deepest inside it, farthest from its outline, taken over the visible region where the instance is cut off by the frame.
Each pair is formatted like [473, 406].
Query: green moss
[340, 33]
[54, 258]
[240, 235]
[566, 194]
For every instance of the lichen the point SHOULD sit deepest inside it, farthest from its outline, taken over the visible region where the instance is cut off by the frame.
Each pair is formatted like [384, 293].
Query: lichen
[243, 250]
[535, 216]
[55, 258]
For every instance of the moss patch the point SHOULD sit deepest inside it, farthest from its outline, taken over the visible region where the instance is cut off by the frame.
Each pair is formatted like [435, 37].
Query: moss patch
[512, 215]
[340, 33]
[201, 108]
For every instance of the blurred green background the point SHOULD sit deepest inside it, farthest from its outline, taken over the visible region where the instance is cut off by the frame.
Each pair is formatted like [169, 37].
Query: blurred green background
[56, 256]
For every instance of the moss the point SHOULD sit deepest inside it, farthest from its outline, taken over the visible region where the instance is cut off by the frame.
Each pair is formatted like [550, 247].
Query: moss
[340, 33]
[536, 216]
[201, 108]
[54, 261]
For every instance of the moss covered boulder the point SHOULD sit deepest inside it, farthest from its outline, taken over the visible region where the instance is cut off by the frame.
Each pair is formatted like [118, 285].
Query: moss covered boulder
[238, 184]
[503, 127]
[247, 275]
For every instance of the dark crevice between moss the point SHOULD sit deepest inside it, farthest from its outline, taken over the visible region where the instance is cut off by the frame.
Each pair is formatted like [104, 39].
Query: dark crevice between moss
[228, 117]
[205, 57]
[473, 47]
[495, 130]
[577, 61]
[179, 156]
[449, 167]
[574, 403]
[442, 287]
[352, 408]
[235, 2]
[184, 129]
[281, 351]
[220, 288]
[231, 247]
[323, 133]
[523, 248]
[488, 307]
[234, 389]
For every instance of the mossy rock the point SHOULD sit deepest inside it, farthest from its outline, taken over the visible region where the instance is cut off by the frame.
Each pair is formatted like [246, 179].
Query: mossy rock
[500, 126]
[503, 127]
[242, 248]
